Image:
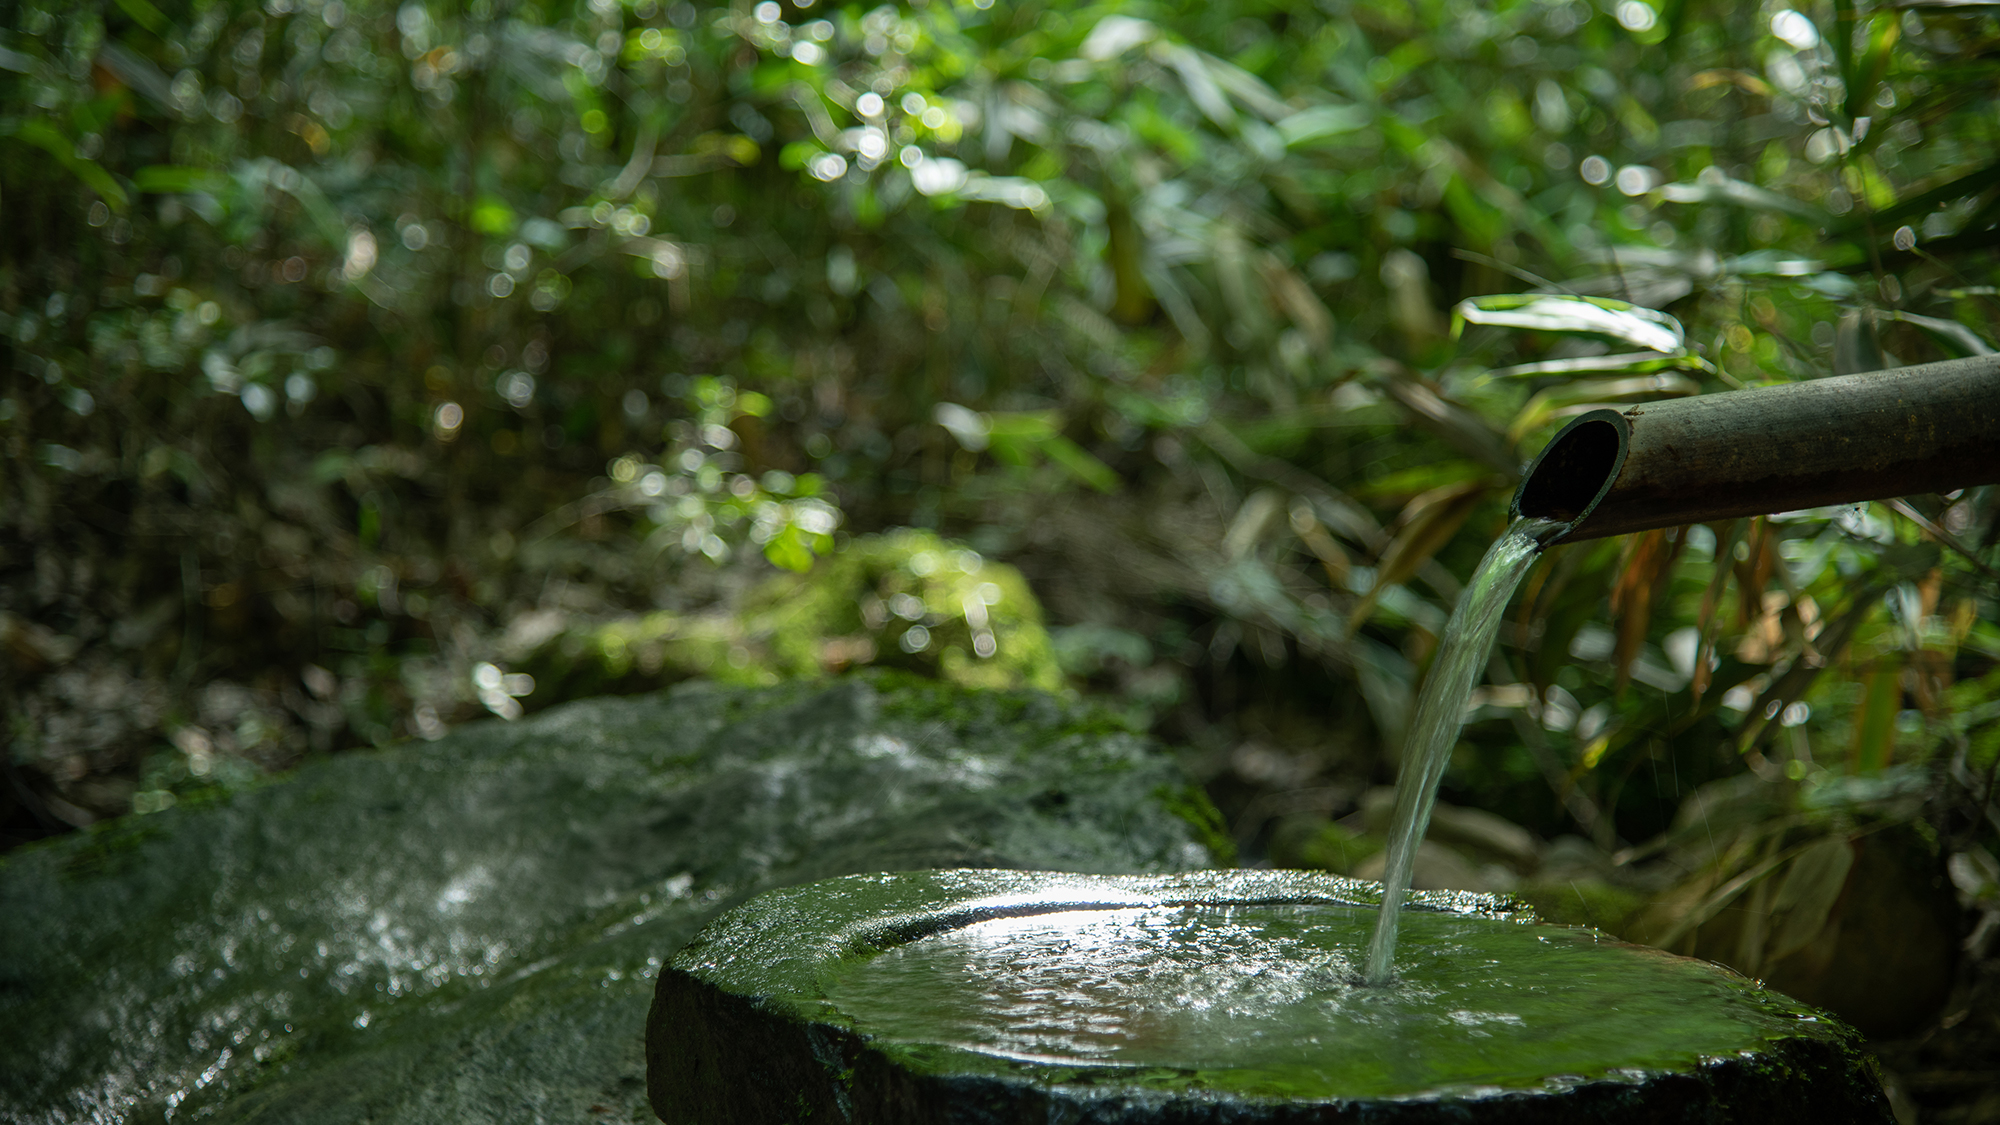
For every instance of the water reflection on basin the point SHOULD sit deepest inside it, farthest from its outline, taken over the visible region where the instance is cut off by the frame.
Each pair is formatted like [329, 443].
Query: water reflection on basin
[1267, 1000]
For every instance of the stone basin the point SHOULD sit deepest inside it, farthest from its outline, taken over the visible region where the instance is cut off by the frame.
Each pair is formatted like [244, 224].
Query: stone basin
[1216, 996]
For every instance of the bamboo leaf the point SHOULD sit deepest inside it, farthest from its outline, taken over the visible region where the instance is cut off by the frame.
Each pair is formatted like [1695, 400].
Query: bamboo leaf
[1427, 524]
[1466, 431]
[1718, 188]
[175, 179]
[1626, 363]
[149, 17]
[1201, 85]
[1711, 601]
[1648, 562]
[1323, 121]
[1593, 316]
[1875, 715]
[1080, 463]
[1248, 89]
[51, 140]
[1951, 333]
[1708, 907]
[1923, 203]
[1808, 894]
[1574, 398]
[1883, 31]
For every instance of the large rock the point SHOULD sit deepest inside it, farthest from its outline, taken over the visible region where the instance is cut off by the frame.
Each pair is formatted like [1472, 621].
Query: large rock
[468, 930]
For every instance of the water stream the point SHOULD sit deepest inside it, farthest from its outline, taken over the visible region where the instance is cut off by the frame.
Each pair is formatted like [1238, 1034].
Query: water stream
[1462, 652]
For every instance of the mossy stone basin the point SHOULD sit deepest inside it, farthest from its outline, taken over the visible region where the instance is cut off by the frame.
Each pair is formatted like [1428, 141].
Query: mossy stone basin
[1221, 996]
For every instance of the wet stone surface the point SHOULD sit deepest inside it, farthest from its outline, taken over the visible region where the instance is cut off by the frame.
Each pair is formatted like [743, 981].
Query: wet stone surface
[469, 930]
[1213, 996]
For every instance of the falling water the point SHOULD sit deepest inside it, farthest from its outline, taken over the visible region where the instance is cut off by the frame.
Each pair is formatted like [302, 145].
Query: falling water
[1468, 638]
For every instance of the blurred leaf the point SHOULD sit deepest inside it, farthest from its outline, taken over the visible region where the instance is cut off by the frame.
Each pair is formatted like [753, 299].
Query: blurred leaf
[1856, 347]
[788, 549]
[1633, 362]
[1808, 893]
[1789, 688]
[148, 17]
[1080, 463]
[1711, 602]
[1248, 89]
[49, 139]
[1427, 523]
[176, 179]
[1202, 87]
[1865, 77]
[1960, 339]
[1595, 316]
[1574, 398]
[1875, 715]
[1645, 567]
[1923, 203]
[1718, 188]
[490, 216]
[1021, 438]
[1462, 429]
[1694, 903]
[1323, 121]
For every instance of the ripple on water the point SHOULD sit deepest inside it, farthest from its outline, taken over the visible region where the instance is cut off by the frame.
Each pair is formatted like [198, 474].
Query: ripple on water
[1267, 1000]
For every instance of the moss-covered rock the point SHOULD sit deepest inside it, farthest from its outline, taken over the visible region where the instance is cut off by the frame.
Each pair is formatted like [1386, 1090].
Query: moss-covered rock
[468, 930]
[905, 599]
[1213, 998]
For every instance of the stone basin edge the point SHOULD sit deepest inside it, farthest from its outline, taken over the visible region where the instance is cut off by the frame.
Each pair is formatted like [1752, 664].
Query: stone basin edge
[756, 970]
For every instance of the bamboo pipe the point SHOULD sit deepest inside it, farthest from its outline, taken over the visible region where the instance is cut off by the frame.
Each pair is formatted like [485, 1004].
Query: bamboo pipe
[1930, 428]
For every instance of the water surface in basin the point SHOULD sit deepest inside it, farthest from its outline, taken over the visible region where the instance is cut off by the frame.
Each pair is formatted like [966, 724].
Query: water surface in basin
[1266, 1000]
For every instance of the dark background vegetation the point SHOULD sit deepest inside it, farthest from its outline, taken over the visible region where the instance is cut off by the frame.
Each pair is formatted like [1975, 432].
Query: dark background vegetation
[357, 350]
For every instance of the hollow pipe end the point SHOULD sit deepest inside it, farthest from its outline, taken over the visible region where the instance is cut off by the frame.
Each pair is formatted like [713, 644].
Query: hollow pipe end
[1574, 471]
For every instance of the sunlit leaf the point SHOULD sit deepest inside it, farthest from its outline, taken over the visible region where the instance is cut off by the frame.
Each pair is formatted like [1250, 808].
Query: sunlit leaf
[1915, 207]
[1249, 90]
[1202, 88]
[1323, 121]
[1114, 35]
[1633, 362]
[1080, 463]
[1718, 188]
[178, 178]
[492, 216]
[1770, 263]
[1595, 316]
[1867, 70]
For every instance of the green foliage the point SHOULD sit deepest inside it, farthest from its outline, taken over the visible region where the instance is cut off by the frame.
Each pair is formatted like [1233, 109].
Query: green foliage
[347, 336]
[1192, 805]
[907, 601]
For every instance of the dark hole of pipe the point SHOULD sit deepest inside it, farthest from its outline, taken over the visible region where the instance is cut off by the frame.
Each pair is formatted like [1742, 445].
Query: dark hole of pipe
[1570, 473]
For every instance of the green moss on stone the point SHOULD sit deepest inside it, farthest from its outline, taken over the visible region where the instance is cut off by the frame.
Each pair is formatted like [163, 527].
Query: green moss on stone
[1191, 803]
[468, 929]
[1317, 845]
[906, 600]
